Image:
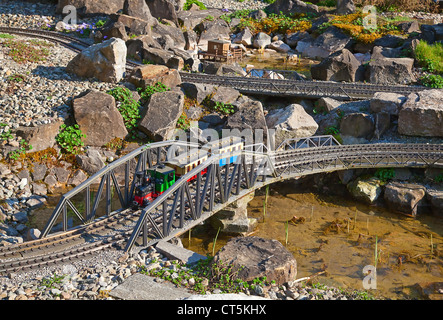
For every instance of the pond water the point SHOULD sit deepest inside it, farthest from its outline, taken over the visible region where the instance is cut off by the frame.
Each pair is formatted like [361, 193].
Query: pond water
[338, 235]
[278, 61]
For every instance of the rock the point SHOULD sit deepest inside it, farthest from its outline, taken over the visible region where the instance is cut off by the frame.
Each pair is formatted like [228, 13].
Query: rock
[93, 112]
[210, 30]
[345, 7]
[33, 234]
[249, 116]
[435, 197]
[358, 125]
[91, 162]
[40, 137]
[175, 33]
[404, 197]
[279, 46]
[329, 42]
[291, 6]
[162, 112]
[220, 68]
[366, 190]
[92, 7]
[422, 114]
[225, 95]
[326, 105]
[432, 33]
[261, 40]
[163, 57]
[150, 74]
[77, 178]
[389, 41]
[190, 19]
[382, 123]
[390, 71]
[430, 290]
[291, 122]
[138, 9]
[197, 91]
[387, 102]
[292, 39]
[244, 37]
[258, 258]
[105, 61]
[409, 26]
[39, 171]
[258, 15]
[339, 66]
[163, 9]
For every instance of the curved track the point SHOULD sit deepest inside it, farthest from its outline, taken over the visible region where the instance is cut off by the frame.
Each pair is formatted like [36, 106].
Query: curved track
[188, 203]
[247, 85]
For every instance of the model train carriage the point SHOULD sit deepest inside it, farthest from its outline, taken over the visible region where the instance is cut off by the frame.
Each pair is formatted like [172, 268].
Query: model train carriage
[226, 146]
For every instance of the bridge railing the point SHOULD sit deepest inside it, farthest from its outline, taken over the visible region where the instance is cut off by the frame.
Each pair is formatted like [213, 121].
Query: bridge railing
[108, 182]
[190, 201]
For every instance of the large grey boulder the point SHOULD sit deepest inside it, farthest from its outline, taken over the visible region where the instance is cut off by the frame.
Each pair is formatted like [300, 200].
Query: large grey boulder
[404, 197]
[432, 33]
[291, 122]
[261, 40]
[105, 61]
[210, 30]
[329, 42]
[138, 8]
[162, 112]
[244, 37]
[390, 71]
[98, 117]
[291, 6]
[422, 114]
[163, 9]
[387, 102]
[190, 19]
[249, 115]
[357, 125]
[175, 33]
[255, 257]
[197, 91]
[339, 66]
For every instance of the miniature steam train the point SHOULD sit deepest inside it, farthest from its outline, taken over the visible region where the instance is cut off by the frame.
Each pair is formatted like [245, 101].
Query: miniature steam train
[154, 181]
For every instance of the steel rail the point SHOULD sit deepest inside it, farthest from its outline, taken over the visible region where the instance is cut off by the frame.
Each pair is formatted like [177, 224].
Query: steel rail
[250, 85]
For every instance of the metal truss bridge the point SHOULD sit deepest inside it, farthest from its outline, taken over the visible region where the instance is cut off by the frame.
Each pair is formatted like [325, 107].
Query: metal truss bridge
[210, 187]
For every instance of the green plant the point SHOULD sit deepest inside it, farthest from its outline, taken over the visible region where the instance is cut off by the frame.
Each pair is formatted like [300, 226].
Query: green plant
[100, 23]
[215, 241]
[385, 174]
[6, 36]
[332, 130]
[225, 108]
[128, 107]
[49, 282]
[432, 81]
[327, 3]
[189, 3]
[16, 154]
[439, 178]
[146, 93]
[70, 138]
[430, 56]
[5, 135]
[16, 77]
[183, 122]
[26, 51]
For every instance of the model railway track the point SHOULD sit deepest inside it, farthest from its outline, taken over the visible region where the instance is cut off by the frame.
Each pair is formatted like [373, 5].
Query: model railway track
[247, 85]
[65, 246]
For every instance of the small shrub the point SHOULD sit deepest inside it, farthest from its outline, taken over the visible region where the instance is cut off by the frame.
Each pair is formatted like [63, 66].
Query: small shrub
[145, 94]
[70, 138]
[225, 108]
[128, 107]
[189, 3]
[430, 56]
[432, 81]
[385, 174]
[21, 151]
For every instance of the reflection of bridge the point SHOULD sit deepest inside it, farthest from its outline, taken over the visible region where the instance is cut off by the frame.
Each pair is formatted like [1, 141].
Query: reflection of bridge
[188, 203]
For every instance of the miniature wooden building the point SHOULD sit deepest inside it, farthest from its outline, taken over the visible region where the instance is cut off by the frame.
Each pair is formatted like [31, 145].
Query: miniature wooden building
[221, 50]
